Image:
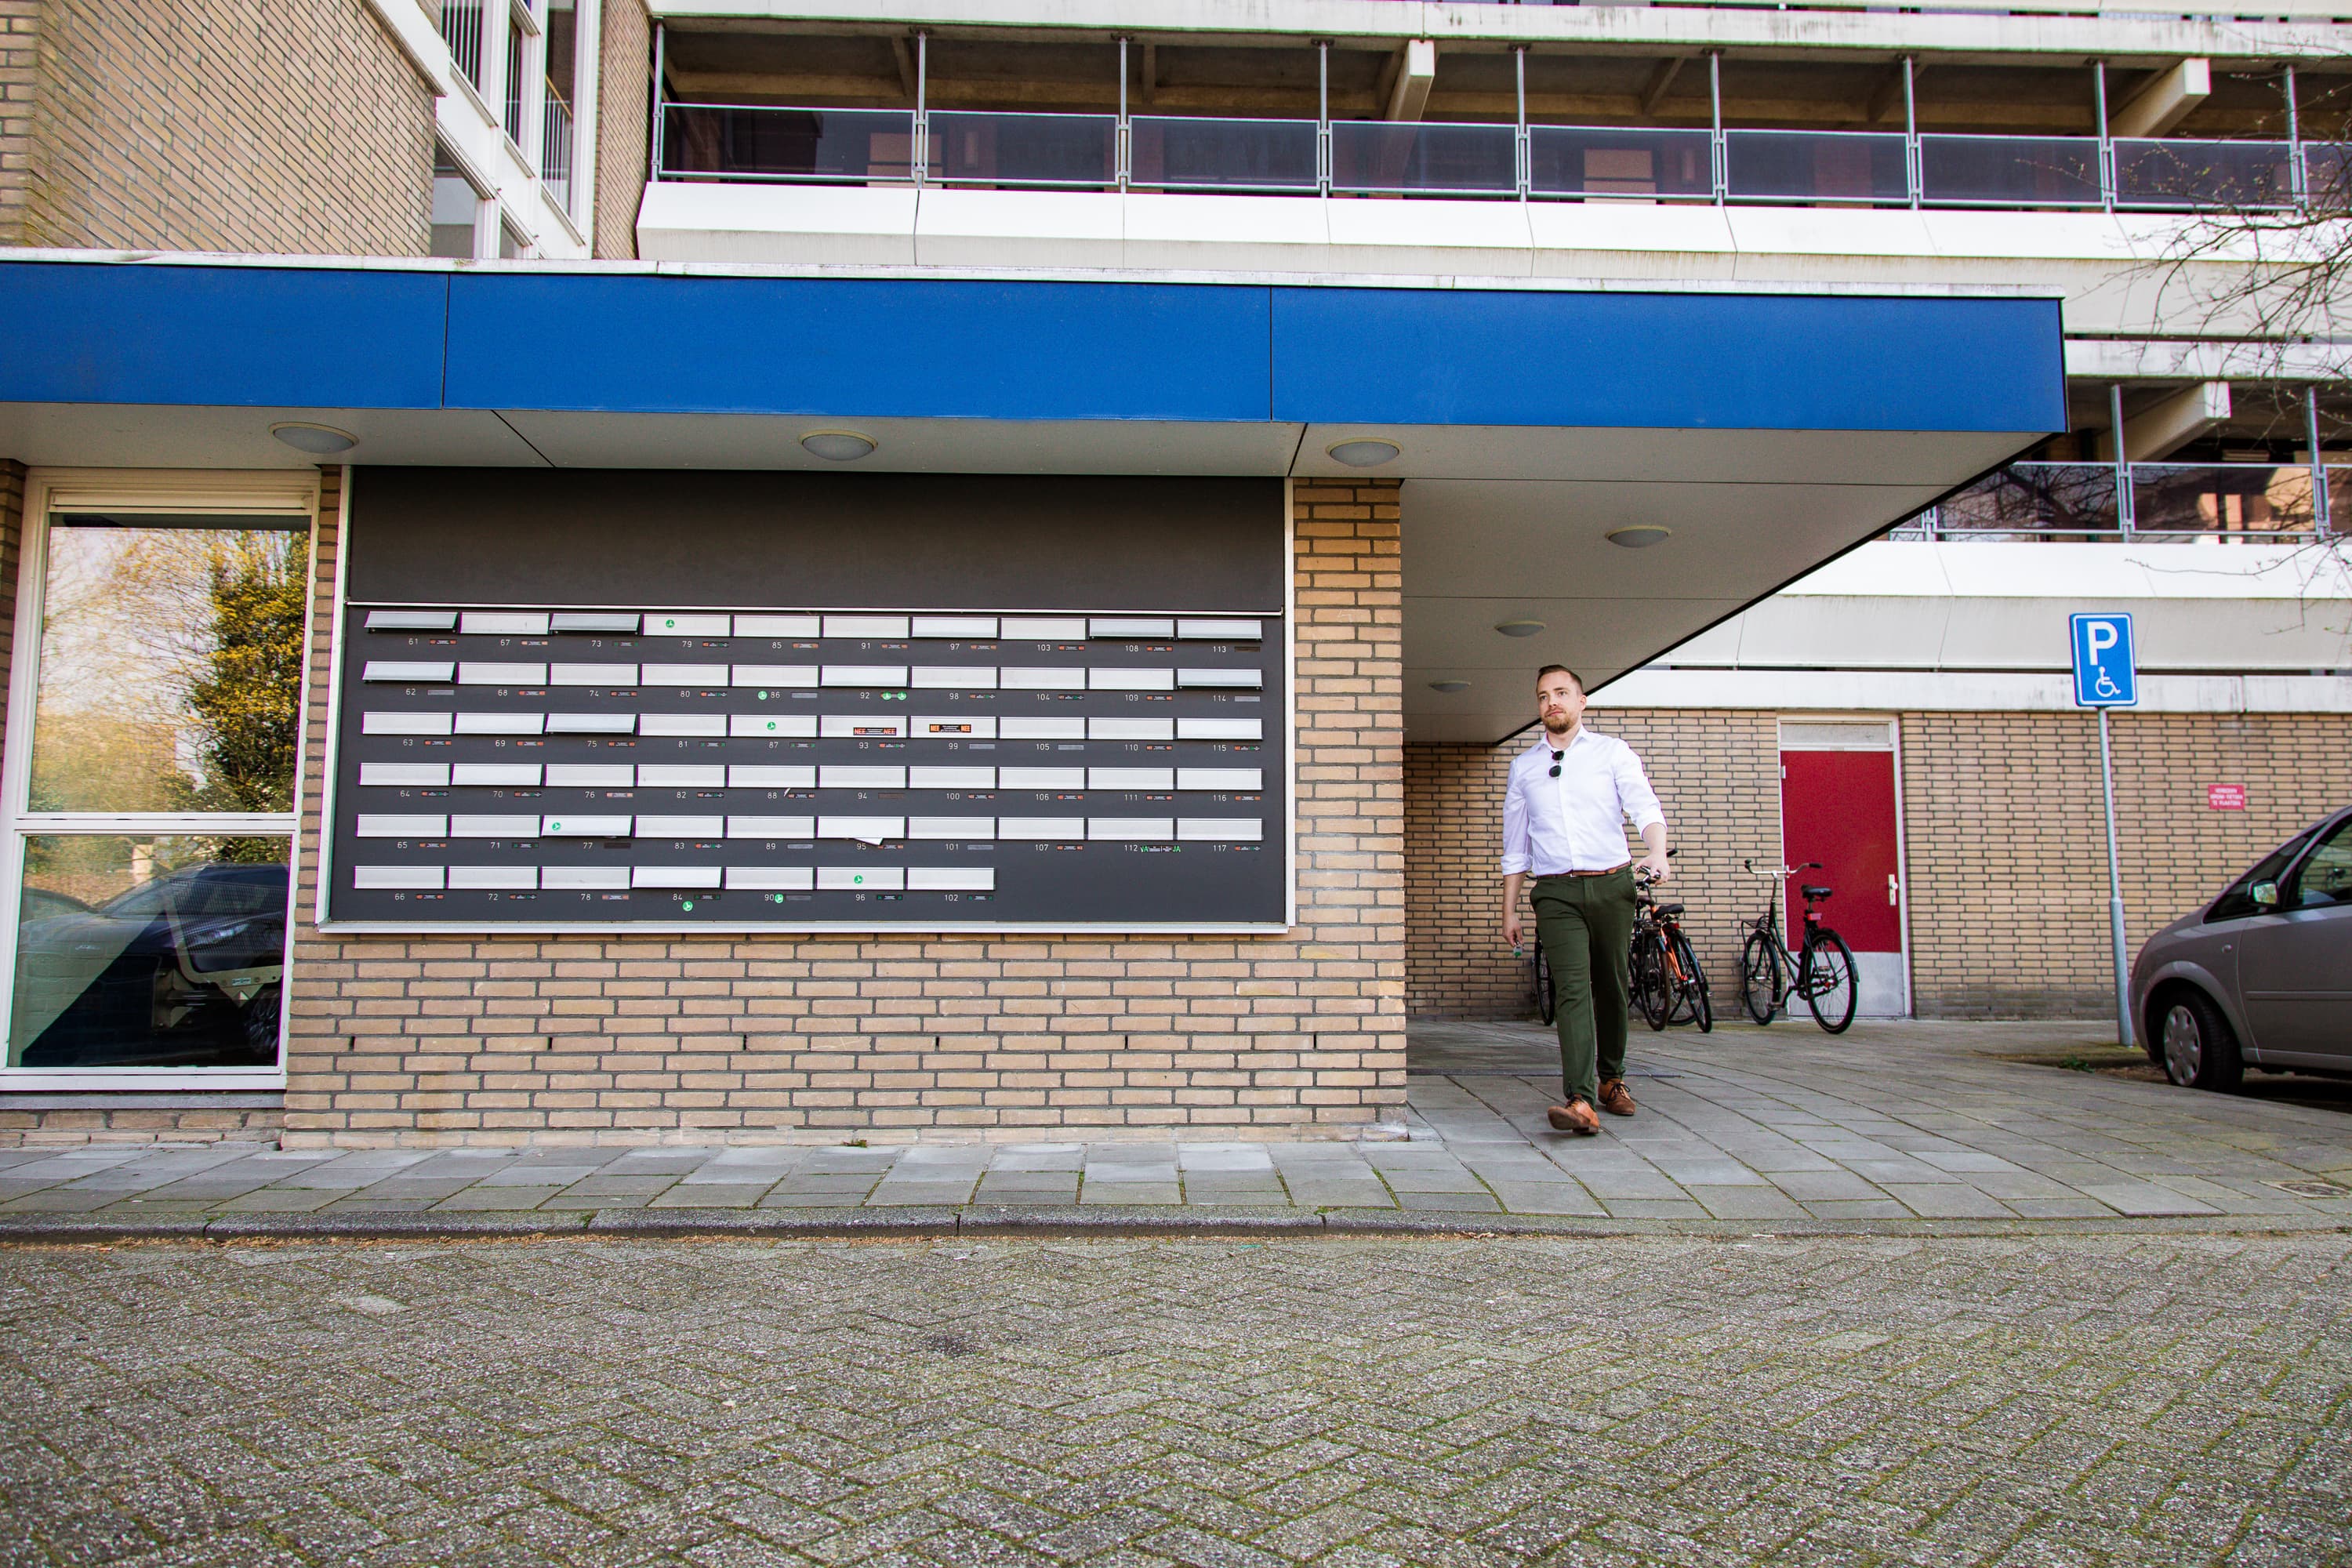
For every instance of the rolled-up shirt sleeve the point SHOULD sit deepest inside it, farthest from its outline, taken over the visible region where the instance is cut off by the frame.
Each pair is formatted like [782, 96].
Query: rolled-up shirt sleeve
[1634, 794]
[1516, 857]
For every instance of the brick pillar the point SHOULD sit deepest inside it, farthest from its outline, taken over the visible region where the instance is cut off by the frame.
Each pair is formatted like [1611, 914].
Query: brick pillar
[624, 121]
[641, 1039]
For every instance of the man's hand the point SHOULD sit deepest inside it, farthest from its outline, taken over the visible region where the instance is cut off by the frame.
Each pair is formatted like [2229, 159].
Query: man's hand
[1512, 927]
[1657, 865]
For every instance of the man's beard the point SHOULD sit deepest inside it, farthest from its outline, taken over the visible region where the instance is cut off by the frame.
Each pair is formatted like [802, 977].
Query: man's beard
[1558, 724]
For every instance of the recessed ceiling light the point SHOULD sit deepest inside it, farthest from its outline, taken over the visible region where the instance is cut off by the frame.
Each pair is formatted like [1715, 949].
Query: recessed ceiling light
[1449, 686]
[1641, 536]
[836, 446]
[1519, 628]
[318, 440]
[1364, 454]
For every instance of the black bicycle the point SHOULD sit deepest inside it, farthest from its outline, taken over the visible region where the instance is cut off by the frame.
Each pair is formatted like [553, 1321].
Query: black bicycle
[1669, 987]
[1771, 977]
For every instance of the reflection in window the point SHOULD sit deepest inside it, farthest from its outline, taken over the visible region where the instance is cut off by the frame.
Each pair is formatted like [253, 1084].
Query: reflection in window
[149, 951]
[171, 665]
[2326, 877]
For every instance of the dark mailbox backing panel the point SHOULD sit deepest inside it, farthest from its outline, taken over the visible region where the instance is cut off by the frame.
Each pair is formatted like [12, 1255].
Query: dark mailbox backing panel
[811, 701]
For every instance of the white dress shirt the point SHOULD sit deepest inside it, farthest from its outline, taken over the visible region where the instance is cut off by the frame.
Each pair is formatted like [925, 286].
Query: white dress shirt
[1575, 822]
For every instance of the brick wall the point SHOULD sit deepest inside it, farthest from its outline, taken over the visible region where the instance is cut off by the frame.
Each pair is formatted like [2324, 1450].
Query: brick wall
[20, 25]
[1716, 774]
[2004, 833]
[2007, 840]
[242, 125]
[624, 108]
[30, 1120]
[642, 1038]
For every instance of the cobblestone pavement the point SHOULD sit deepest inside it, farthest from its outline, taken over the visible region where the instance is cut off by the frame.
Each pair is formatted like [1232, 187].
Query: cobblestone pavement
[1225, 1404]
[1894, 1124]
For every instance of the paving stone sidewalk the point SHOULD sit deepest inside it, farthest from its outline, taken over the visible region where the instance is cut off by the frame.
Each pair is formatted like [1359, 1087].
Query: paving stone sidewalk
[1892, 1125]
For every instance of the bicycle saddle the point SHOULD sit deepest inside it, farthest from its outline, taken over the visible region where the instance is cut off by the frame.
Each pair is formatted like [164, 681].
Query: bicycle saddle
[1814, 892]
[1666, 911]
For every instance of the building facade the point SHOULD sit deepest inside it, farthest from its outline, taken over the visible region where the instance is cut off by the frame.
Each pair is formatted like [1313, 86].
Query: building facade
[688, 570]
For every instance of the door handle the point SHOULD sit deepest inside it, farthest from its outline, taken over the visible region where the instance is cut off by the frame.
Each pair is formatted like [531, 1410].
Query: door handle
[1894, 892]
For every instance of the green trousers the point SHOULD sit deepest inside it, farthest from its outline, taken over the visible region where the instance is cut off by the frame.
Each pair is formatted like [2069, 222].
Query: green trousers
[1585, 924]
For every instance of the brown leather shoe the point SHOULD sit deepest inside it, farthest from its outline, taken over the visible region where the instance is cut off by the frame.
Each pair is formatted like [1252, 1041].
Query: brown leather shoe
[1574, 1117]
[1614, 1097]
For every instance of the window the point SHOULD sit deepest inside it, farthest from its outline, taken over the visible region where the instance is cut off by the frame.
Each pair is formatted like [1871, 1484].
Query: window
[151, 830]
[2325, 877]
[2238, 902]
[521, 65]
[457, 207]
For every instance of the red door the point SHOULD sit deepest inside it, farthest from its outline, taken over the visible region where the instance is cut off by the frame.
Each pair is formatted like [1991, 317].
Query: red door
[1838, 808]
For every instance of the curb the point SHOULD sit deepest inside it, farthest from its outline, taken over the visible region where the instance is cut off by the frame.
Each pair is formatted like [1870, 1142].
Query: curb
[1067, 1220]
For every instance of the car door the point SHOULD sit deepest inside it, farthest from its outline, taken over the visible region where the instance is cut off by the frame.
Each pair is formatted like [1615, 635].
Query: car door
[2295, 963]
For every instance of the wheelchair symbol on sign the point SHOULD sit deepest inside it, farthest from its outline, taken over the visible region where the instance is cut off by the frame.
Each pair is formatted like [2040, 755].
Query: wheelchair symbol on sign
[2107, 686]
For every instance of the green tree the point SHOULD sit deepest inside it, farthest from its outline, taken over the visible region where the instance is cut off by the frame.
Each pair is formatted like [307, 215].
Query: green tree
[247, 696]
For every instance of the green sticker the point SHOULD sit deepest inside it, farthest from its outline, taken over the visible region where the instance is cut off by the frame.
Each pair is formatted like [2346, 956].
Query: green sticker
[688, 904]
[857, 878]
[555, 827]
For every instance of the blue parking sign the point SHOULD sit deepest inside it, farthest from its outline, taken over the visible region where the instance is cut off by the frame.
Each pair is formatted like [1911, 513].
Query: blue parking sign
[2105, 676]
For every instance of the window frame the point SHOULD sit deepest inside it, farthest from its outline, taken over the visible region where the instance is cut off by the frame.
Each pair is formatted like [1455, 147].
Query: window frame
[48, 491]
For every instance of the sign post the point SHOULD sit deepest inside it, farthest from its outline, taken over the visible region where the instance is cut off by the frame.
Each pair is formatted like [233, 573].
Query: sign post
[2107, 676]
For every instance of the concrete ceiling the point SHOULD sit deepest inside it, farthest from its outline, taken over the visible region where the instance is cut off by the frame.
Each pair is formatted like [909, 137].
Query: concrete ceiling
[1500, 523]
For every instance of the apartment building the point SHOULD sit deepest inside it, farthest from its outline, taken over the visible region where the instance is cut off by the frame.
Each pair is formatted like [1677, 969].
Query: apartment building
[727, 570]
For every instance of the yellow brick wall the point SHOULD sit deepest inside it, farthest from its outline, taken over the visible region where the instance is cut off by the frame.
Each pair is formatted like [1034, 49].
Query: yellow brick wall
[20, 25]
[2007, 839]
[1715, 777]
[2005, 842]
[491, 1039]
[625, 105]
[293, 126]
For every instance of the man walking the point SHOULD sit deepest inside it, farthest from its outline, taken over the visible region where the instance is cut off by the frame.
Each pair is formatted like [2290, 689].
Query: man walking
[1564, 817]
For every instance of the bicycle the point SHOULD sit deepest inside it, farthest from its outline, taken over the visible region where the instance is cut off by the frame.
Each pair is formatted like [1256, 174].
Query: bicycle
[1669, 986]
[1770, 976]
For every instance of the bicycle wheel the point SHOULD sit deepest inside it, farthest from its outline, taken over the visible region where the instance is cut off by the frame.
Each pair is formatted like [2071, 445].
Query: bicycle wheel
[1652, 991]
[1542, 967]
[1759, 978]
[1701, 1006]
[1830, 988]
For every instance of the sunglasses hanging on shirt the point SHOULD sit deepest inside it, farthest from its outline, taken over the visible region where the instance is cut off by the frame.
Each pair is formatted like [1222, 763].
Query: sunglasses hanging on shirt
[1556, 757]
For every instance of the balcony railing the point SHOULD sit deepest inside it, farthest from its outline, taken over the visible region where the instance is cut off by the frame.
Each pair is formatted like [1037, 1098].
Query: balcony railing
[2227, 503]
[555, 149]
[1545, 163]
[461, 29]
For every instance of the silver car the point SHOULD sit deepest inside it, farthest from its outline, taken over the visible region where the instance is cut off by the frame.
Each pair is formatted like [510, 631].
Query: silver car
[2262, 975]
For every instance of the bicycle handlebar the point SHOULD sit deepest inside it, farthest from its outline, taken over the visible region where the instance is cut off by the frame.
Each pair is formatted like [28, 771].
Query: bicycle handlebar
[1778, 871]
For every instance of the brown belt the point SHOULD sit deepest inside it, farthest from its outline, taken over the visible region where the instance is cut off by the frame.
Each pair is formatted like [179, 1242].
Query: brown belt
[1608, 871]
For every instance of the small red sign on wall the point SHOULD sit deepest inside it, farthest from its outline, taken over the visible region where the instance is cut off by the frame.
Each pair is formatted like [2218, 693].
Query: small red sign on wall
[2226, 797]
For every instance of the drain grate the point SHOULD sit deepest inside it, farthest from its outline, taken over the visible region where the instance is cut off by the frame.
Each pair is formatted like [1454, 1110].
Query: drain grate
[2315, 1188]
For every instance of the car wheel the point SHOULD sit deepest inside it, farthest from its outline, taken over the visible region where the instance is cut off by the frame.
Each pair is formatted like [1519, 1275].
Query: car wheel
[2200, 1049]
[260, 1025]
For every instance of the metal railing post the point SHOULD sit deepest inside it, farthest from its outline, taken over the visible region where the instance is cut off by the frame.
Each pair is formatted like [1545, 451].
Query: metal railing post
[1122, 147]
[2107, 152]
[2297, 175]
[2323, 520]
[1912, 173]
[1524, 169]
[2124, 505]
[1323, 117]
[919, 157]
[1720, 165]
[661, 98]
